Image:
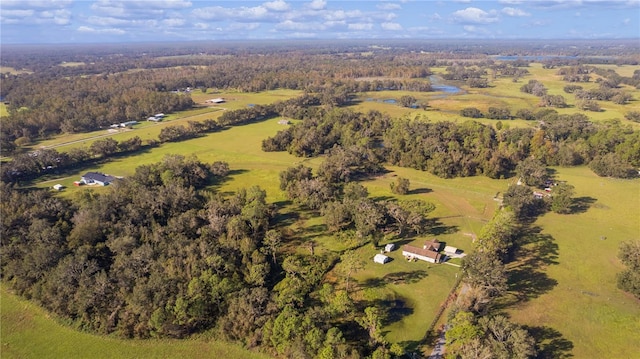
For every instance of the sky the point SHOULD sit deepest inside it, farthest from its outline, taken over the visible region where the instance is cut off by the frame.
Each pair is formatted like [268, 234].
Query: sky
[95, 21]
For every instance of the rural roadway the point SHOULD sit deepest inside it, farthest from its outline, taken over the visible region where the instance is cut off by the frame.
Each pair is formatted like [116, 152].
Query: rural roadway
[438, 350]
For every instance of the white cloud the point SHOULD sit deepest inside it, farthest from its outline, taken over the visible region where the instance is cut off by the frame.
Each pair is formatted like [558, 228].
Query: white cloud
[237, 26]
[318, 4]
[105, 21]
[475, 30]
[473, 15]
[58, 17]
[143, 4]
[511, 2]
[277, 5]
[17, 13]
[111, 31]
[510, 11]
[174, 22]
[289, 25]
[342, 15]
[36, 4]
[360, 26]
[389, 6]
[391, 26]
[241, 14]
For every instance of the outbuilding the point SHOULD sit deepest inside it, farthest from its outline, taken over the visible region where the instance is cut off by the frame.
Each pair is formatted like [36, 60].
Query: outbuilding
[450, 250]
[389, 247]
[381, 258]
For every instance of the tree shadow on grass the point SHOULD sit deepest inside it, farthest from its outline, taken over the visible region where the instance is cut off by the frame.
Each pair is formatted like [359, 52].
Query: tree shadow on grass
[527, 277]
[395, 278]
[581, 204]
[550, 343]
[420, 191]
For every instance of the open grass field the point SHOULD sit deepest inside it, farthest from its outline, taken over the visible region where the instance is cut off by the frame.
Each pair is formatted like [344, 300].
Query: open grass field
[28, 331]
[566, 276]
[502, 92]
[3, 110]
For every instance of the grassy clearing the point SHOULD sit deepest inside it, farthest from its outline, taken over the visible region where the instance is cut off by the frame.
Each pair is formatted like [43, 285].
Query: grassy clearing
[3, 110]
[71, 64]
[28, 331]
[12, 71]
[575, 290]
[148, 130]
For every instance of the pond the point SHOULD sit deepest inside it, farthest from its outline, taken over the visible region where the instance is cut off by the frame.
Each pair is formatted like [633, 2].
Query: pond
[437, 85]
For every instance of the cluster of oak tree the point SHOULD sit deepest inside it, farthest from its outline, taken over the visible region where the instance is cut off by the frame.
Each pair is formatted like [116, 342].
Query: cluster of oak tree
[449, 149]
[160, 255]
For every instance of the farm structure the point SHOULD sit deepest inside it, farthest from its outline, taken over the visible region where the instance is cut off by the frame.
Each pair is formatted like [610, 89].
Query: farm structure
[428, 252]
[381, 258]
[96, 178]
[216, 100]
[389, 247]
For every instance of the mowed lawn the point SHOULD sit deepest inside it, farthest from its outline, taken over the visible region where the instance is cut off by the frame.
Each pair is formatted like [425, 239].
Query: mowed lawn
[28, 331]
[576, 296]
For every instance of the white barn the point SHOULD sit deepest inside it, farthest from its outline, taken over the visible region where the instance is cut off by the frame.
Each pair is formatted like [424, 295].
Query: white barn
[381, 258]
[389, 247]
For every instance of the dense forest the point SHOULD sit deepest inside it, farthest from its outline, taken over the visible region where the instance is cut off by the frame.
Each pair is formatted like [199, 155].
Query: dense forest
[164, 254]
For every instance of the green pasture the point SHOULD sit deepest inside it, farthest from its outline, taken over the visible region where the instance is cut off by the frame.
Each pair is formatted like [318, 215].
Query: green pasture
[13, 71]
[3, 110]
[71, 64]
[150, 130]
[28, 331]
[567, 274]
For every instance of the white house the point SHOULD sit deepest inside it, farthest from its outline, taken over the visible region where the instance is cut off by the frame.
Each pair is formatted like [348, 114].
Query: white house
[381, 258]
[96, 178]
[389, 247]
[58, 187]
[216, 100]
[428, 253]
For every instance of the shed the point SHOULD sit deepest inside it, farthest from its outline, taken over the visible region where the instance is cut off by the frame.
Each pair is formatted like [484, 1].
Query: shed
[159, 115]
[450, 249]
[154, 119]
[58, 187]
[389, 247]
[216, 100]
[381, 258]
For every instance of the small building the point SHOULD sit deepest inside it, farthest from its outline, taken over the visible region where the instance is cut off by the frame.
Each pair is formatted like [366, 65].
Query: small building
[423, 254]
[96, 178]
[58, 187]
[154, 119]
[159, 115]
[284, 122]
[216, 100]
[381, 258]
[450, 250]
[432, 245]
[389, 247]
[128, 123]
